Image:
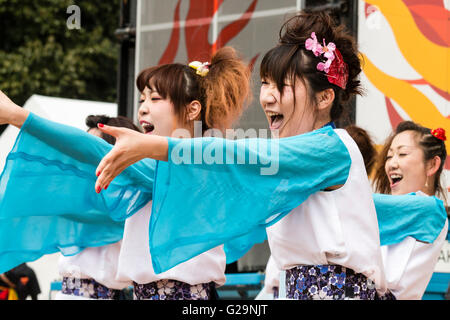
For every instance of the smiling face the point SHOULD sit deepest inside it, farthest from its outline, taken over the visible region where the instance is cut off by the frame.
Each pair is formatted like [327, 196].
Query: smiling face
[290, 117]
[405, 165]
[157, 115]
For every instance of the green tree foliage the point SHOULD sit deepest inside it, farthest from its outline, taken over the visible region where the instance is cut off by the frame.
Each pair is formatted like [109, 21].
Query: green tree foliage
[39, 54]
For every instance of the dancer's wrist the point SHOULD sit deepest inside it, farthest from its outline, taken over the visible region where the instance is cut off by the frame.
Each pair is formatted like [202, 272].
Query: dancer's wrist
[18, 117]
[156, 147]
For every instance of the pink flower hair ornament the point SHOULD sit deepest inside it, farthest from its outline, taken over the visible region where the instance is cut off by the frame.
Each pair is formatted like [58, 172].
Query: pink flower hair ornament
[334, 65]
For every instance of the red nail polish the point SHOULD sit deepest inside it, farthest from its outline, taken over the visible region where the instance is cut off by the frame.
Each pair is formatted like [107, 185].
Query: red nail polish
[101, 125]
[98, 173]
[107, 187]
[98, 189]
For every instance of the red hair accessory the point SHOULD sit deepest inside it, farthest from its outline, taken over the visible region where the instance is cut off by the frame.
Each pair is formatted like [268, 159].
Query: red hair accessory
[334, 66]
[338, 73]
[439, 133]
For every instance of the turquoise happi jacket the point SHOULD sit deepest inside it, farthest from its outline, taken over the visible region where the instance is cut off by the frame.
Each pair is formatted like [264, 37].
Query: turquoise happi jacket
[212, 191]
[47, 198]
[226, 199]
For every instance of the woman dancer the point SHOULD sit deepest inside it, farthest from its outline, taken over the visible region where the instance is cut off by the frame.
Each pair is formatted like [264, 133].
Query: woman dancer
[213, 97]
[412, 161]
[213, 94]
[422, 213]
[91, 274]
[329, 249]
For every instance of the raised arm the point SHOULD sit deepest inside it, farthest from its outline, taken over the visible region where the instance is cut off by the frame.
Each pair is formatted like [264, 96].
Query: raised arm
[52, 158]
[207, 184]
[11, 113]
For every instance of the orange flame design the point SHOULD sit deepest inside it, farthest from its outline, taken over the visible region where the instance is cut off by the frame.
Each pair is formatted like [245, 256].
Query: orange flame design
[198, 22]
[432, 19]
[414, 45]
[420, 28]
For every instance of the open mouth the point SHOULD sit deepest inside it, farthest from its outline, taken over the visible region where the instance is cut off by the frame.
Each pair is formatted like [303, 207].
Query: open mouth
[147, 127]
[275, 119]
[395, 179]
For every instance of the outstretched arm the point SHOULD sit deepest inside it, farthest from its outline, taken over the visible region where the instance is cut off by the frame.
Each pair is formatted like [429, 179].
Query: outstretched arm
[130, 147]
[11, 113]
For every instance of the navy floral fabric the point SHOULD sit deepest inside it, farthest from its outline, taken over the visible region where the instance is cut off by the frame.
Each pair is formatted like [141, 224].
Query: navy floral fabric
[173, 290]
[328, 282]
[88, 288]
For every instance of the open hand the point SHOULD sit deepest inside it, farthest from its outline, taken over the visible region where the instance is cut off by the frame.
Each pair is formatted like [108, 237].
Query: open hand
[127, 150]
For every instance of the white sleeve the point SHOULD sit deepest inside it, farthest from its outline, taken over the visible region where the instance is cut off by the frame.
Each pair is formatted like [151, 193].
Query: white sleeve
[410, 264]
[272, 278]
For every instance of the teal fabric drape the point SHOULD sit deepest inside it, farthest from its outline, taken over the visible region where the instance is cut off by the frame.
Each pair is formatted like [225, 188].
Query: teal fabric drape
[227, 193]
[47, 197]
[398, 217]
[214, 191]
[412, 215]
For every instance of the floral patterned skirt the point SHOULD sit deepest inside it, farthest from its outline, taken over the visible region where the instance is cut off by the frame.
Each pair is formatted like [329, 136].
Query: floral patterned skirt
[88, 288]
[328, 282]
[174, 290]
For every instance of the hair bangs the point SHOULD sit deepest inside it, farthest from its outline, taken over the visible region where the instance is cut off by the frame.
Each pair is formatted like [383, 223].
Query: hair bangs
[285, 63]
[276, 66]
[165, 79]
[142, 79]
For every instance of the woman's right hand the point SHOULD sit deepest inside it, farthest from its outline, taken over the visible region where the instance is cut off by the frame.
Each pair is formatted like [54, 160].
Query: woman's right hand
[11, 113]
[130, 147]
